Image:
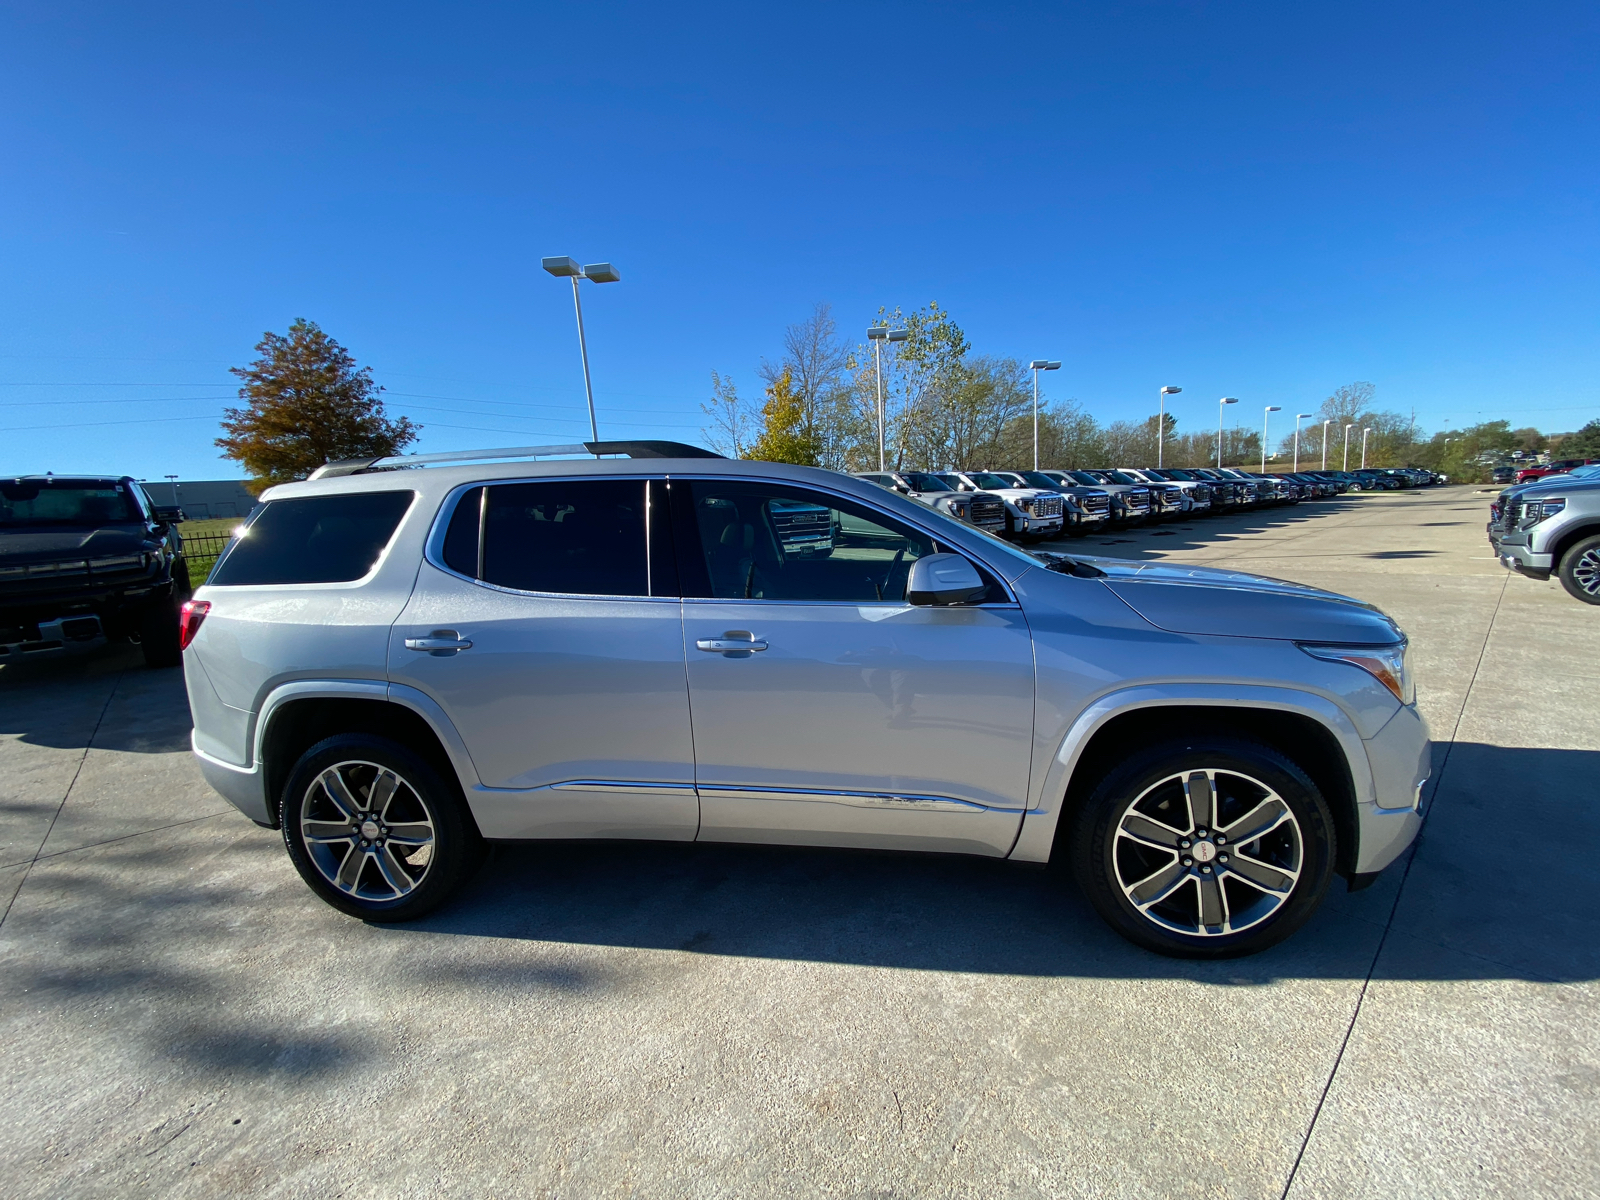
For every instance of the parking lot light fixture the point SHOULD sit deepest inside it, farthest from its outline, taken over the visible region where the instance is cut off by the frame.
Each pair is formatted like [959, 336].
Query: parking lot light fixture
[1364, 434]
[1347, 430]
[562, 266]
[1161, 423]
[1298, 417]
[173, 480]
[1325, 425]
[1037, 365]
[877, 335]
[1265, 417]
[1221, 407]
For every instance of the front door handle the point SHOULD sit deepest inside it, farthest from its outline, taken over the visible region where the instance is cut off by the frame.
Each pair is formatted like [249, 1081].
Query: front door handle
[441, 643]
[734, 642]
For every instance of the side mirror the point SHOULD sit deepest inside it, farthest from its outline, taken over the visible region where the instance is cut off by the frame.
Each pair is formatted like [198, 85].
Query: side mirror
[944, 579]
[167, 515]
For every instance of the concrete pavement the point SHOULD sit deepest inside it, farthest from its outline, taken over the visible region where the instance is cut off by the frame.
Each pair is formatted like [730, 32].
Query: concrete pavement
[179, 1016]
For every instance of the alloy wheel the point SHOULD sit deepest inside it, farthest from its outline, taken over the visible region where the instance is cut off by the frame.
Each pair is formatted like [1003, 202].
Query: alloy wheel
[367, 831]
[1208, 853]
[1586, 571]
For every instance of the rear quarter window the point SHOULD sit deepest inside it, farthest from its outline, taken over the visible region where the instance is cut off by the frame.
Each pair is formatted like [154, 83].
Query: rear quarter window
[314, 539]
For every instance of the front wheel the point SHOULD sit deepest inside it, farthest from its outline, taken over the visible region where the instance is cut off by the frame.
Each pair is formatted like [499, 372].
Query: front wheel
[1580, 570]
[374, 830]
[1205, 847]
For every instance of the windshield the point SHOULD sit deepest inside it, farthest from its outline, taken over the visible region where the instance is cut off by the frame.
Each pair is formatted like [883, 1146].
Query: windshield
[1123, 477]
[921, 481]
[988, 479]
[1039, 479]
[1169, 473]
[33, 502]
[1085, 478]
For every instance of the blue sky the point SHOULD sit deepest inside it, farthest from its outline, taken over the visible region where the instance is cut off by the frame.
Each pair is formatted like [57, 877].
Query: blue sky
[1258, 200]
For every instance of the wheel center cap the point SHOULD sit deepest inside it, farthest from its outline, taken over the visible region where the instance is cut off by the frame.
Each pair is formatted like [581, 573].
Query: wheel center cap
[1204, 852]
[369, 829]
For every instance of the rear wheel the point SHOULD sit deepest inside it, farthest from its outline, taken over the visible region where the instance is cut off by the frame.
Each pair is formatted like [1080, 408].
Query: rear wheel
[374, 830]
[1580, 570]
[1209, 847]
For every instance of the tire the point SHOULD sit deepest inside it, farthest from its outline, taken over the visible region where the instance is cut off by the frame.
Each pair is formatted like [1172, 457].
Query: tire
[158, 633]
[397, 876]
[1248, 908]
[1580, 570]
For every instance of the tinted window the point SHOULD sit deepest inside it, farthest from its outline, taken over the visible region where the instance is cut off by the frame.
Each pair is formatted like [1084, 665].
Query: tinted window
[988, 479]
[317, 539]
[583, 537]
[39, 502]
[921, 481]
[770, 542]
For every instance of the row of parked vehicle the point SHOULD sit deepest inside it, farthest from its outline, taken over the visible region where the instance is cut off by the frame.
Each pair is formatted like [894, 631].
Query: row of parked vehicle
[1034, 506]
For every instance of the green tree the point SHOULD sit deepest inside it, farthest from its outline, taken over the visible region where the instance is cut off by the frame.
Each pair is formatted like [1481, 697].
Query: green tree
[784, 436]
[1583, 444]
[306, 404]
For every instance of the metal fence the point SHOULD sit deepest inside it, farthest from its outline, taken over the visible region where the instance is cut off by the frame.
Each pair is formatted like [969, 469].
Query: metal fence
[202, 551]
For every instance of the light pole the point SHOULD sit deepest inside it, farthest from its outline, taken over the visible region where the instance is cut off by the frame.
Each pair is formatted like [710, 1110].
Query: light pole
[1037, 365]
[877, 335]
[173, 480]
[1325, 425]
[1298, 417]
[1265, 417]
[1364, 433]
[1347, 430]
[1220, 403]
[594, 273]
[1161, 423]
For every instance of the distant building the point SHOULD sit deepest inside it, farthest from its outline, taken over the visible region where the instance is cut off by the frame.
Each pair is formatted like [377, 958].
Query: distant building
[204, 499]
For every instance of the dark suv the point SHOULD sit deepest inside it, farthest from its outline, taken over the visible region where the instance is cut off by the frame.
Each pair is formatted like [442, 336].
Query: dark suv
[84, 559]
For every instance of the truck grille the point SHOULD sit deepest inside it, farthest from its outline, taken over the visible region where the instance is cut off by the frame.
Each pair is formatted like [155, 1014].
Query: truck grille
[988, 512]
[1098, 502]
[1045, 506]
[78, 572]
[801, 526]
[1201, 493]
[1138, 500]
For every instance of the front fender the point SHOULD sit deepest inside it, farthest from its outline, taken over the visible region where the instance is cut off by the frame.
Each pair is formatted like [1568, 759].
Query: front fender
[1039, 822]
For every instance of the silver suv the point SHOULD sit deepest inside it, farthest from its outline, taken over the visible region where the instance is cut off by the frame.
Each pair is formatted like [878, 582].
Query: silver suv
[399, 660]
[1552, 527]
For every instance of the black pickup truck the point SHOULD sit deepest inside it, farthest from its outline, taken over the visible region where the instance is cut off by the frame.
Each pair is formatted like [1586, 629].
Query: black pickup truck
[84, 559]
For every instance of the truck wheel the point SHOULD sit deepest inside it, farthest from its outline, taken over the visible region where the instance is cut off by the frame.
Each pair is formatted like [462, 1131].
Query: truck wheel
[374, 830]
[1580, 570]
[1204, 847]
[158, 633]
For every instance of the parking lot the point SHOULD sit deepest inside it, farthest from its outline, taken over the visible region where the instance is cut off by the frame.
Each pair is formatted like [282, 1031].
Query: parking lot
[180, 1016]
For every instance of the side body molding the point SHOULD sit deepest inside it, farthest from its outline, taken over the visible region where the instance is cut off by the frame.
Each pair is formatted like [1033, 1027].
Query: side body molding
[1039, 822]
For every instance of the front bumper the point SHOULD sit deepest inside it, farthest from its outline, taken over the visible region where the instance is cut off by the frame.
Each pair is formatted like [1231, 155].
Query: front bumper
[47, 639]
[1515, 552]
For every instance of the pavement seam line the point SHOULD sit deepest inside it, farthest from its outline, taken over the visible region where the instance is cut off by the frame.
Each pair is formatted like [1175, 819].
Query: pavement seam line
[1394, 908]
[126, 836]
[65, 796]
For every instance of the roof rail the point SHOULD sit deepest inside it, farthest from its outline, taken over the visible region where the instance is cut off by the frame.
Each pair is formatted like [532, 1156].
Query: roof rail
[396, 462]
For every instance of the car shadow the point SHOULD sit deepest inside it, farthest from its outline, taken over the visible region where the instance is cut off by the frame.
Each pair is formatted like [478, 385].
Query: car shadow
[946, 913]
[107, 693]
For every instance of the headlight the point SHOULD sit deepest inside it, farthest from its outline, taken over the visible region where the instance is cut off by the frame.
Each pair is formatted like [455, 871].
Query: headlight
[1538, 510]
[957, 508]
[1389, 665]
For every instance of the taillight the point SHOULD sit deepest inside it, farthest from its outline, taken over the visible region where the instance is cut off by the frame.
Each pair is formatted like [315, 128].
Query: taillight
[190, 617]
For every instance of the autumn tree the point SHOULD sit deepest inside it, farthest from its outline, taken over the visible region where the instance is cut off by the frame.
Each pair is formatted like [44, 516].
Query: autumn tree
[306, 404]
[733, 418]
[784, 437]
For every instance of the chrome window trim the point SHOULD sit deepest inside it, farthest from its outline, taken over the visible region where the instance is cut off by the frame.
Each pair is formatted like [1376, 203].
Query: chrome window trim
[904, 801]
[433, 548]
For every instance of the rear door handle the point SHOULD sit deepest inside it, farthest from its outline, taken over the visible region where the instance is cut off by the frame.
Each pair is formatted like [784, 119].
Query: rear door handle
[441, 643]
[732, 642]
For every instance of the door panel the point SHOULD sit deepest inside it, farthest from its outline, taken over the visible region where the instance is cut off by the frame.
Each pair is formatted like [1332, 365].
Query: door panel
[854, 719]
[574, 708]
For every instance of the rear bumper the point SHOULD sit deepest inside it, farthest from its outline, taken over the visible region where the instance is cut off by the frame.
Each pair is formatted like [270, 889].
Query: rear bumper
[242, 787]
[1401, 758]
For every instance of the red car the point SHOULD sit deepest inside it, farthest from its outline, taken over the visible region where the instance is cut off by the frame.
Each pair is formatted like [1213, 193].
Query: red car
[1561, 464]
